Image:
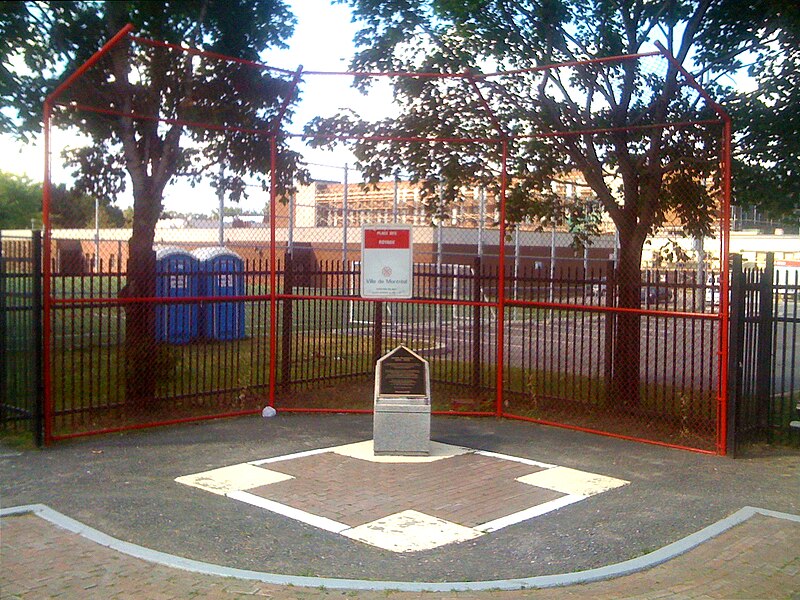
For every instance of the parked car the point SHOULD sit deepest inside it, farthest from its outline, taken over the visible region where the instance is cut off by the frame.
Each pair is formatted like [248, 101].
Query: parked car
[712, 290]
[652, 294]
[598, 289]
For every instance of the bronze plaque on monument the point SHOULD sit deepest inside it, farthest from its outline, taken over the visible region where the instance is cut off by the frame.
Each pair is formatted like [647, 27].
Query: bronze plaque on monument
[402, 373]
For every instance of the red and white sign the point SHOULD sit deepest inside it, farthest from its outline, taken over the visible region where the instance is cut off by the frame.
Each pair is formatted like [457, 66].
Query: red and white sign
[386, 261]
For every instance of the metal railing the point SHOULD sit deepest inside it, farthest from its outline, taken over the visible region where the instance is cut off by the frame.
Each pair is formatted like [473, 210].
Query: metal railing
[21, 334]
[559, 333]
[764, 354]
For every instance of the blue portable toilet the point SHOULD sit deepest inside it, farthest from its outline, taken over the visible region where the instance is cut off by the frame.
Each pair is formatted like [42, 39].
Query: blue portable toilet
[176, 277]
[221, 274]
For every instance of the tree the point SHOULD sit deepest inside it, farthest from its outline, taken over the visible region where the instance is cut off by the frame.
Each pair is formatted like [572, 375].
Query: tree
[20, 202]
[54, 38]
[70, 209]
[638, 175]
[13, 40]
[763, 39]
[21, 206]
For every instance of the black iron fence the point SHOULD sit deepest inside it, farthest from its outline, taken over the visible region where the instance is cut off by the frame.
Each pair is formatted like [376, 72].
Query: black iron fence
[764, 382]
[207, 357]
[212, 356]
[21, 334]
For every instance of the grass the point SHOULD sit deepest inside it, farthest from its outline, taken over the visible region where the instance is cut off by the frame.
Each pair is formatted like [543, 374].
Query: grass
[17, 440]
[94, 377]
[698, 404]
[334, 371]
[664, 412]
[88, 365]
[87, 325]
[782, 412]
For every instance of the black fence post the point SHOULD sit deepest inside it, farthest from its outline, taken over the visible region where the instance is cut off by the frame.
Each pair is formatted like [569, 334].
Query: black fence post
[611, 296]
[4, 342]
[377, 332]
[38, 337]
[764, 357]
[286, 323]
[735, 351]
[477, 333]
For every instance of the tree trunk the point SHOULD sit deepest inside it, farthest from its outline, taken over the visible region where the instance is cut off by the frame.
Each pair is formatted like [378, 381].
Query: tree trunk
[141, 346]
[625, 382]
[151, 162]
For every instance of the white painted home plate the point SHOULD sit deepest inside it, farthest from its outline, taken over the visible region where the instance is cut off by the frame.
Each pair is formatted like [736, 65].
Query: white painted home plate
[365, 451]
[410, 531]
[404, 504]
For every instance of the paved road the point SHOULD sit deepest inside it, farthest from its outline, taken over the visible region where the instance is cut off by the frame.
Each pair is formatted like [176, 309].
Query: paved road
[682, 351]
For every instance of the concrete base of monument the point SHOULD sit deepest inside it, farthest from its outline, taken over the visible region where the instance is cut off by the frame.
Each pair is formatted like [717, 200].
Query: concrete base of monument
[401, 429]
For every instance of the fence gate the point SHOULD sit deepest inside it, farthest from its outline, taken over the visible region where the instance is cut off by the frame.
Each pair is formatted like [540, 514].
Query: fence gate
[764, 382]
[20, 334]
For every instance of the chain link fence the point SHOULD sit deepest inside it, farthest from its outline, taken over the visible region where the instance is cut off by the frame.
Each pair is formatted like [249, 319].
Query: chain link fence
[539, 293]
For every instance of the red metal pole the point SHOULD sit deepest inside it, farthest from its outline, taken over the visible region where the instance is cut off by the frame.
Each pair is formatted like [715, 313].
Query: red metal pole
[501, 286]
[531, 136]
[140, 117]
[692, 81]
[548, 67]
[46, 238]
[485, 104]
[47, 409]
[393, 138]
[206, 54]
[573, 63]
[501, 283]
[273, 310]
[273, 195]
[601, 130]
[617, 436]
[725, 217]
[90, 62]
[276, 122]
[383, 138]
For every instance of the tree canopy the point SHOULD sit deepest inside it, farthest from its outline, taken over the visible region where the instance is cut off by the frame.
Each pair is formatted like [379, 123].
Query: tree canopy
[52, 39]
[472, 37]
[21, 206]
[711, 38]
[146, 94]
[763, 40]
[70, 209]
[20, 201]
[640, 169]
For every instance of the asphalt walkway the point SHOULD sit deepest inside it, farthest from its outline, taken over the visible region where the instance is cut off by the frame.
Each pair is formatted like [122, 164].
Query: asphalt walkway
[124, 486]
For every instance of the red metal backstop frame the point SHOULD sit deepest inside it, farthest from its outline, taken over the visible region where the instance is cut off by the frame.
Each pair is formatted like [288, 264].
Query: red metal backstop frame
[499, 305]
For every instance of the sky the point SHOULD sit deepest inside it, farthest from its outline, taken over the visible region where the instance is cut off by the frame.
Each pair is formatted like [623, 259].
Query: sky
[322, 41]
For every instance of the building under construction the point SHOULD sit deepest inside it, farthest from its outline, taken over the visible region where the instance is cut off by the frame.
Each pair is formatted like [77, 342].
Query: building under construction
[335, 204]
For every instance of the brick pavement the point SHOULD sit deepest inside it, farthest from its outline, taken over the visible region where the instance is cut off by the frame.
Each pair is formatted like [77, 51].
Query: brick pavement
[759, 558]
[468, 489]
[404, 504]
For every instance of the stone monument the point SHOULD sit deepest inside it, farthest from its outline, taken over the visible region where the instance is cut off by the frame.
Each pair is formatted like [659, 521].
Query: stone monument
[402, 412]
